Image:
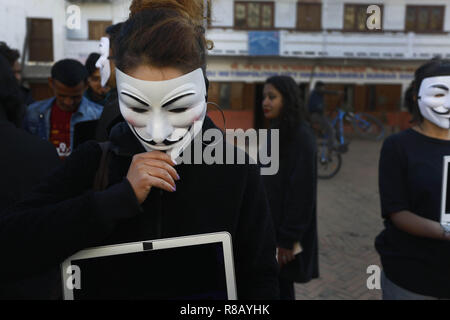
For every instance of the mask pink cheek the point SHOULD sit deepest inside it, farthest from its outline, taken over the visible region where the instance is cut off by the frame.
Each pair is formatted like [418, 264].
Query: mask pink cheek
[131, 121]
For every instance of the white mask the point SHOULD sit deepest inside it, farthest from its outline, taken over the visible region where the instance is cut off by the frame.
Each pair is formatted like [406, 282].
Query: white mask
[434, 100]
[163, 115]
[103, 62]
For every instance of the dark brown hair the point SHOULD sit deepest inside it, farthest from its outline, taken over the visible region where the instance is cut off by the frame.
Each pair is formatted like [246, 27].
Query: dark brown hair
[12, 55]
[163, 33]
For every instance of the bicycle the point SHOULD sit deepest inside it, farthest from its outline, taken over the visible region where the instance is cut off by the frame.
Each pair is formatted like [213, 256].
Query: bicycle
[365, 125]
[329, 159]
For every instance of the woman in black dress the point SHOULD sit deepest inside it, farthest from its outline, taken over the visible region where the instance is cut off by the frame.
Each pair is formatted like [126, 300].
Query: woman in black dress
[292, 191]
[414, 247]
[160, 56]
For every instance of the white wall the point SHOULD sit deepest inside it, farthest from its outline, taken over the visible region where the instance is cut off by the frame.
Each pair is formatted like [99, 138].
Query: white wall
[222, 14]
[120, 10]
[78, 46]
[332, 14]
[394, 15]
[13, 21]
[14, 14]
[286, 14]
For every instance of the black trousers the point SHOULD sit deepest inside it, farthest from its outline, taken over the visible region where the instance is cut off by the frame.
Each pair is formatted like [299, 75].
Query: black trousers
[287, 291]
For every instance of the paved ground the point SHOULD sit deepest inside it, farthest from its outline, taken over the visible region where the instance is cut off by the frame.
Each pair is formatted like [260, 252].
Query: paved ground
[348, 221]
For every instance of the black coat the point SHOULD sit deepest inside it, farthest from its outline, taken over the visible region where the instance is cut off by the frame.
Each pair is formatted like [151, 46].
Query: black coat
[292, 195]
[25, 160]
[110, 116]
[63, 215]
[99, 129]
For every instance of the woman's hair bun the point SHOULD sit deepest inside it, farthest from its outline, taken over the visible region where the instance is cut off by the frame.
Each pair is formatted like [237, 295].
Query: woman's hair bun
[192, 9]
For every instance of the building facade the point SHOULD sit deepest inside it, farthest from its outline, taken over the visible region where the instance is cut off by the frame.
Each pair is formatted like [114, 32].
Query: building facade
[367, 49]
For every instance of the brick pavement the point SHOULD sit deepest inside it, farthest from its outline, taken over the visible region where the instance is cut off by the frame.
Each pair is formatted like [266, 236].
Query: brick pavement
[348, 222]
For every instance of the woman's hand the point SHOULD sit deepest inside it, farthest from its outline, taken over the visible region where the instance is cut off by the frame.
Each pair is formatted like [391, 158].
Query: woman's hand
[285, 256]
[151, 169]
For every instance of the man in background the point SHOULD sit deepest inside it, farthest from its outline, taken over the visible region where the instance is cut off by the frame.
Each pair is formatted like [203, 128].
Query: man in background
[316, 108]
[95, 92]
[111, 114]
[12, 56]
[54, 119]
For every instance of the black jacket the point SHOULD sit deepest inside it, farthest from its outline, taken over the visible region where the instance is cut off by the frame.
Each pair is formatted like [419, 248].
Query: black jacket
[99, 129]
[292, 195]
[110, 117]
[64, 215]
[25, 160]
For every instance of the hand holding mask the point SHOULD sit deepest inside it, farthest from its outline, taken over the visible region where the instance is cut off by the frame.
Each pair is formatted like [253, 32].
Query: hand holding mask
[151, 169]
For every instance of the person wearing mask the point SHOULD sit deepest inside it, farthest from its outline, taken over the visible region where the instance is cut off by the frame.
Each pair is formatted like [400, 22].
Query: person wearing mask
[54, 119]
[111, 113]
[25, 161]
[292, 192]
[95, 92]
[160, 57]
[414, 247]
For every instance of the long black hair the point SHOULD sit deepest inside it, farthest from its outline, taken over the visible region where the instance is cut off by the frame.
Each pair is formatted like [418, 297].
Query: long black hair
[293, 112]
[10, 99]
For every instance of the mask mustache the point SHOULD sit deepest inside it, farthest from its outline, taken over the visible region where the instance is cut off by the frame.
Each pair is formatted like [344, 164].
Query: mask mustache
[165, 142]
[447, 112]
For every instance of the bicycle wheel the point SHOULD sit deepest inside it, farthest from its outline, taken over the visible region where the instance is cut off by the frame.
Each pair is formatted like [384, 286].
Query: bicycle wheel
[367, 126]
[328, 162]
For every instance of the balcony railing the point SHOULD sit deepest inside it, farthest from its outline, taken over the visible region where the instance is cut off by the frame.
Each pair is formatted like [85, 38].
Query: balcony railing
[338, 44]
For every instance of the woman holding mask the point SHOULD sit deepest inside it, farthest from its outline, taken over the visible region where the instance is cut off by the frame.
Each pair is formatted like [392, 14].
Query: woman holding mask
[160, 56]
[292, 192]
[414, 247]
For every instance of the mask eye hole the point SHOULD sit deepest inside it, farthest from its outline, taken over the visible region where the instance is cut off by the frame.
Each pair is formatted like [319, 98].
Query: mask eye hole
[179, 110]
[139, 110]
[439, 95]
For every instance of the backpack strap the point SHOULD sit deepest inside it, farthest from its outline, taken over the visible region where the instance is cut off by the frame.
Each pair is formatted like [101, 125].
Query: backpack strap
[101, 177]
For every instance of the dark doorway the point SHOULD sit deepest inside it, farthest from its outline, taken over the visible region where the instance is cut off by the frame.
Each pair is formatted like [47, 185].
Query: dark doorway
[40, 39]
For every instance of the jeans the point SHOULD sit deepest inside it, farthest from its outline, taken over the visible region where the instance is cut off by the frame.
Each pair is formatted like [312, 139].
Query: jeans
[393, 292]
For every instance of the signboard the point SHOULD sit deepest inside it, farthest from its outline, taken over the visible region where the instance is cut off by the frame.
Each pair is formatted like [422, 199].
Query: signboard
[259, 72]
[264, 43]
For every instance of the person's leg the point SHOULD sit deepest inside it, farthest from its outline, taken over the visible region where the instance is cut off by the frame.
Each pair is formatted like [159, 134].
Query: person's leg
[287, 291]
[391, 291]
[329, 130]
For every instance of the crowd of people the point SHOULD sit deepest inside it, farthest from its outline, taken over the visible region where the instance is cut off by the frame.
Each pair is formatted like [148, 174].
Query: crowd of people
[133, 96]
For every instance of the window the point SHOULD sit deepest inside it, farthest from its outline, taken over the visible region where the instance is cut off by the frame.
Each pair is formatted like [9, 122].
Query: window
[40, 39]
[97, 29]
[253, 15]
[424, 18]
[355, 17]
[309, 16]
